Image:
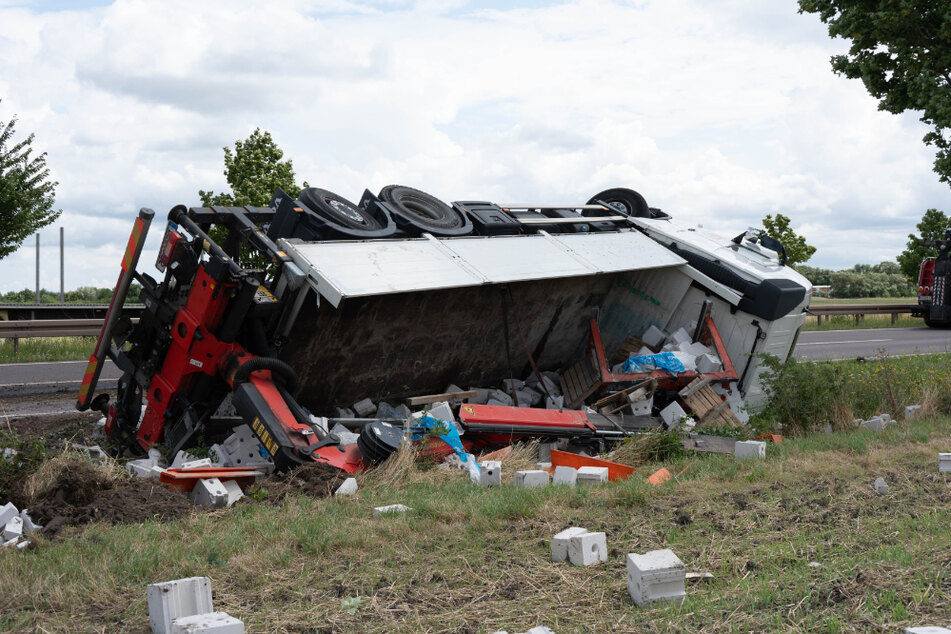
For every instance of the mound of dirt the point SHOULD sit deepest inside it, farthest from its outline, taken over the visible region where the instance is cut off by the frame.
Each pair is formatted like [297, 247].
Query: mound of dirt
[83, 493]
[317, 480]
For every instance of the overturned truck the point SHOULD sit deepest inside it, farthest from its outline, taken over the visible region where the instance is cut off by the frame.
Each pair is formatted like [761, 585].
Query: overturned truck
[289, 312]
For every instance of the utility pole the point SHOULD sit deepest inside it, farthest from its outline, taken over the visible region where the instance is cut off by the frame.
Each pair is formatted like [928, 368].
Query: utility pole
[62, 268]
[37, 268]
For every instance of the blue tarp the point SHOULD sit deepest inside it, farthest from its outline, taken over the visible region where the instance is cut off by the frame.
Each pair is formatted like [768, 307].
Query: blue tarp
[650, 362]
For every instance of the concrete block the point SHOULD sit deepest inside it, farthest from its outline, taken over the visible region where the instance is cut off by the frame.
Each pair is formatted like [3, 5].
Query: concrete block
[688, 359]
[678, 337]
[344, 412]
[544, 466]
[385, 411]
[364, 408]
[13, 529]
[559, 543]
[212, 622]
[744, 449]
[654, 337]
[528, 397]
[28, 526]
[926, 629]
[210, 492]
[392, 509]
[532, 478]
[544, 385]
[911, 411]
[944, 462]
[673, 414]
[171, 600]
[201, 463]
[141, 468]
[234, 492]
[498, 403]
[490, 473]
[442, 411]
[657, 575]
[555, 402]
[481, 397]
[349, 487]
[881, 487]
[544, 451]
[23, 544]
[540, 629]
[694, 348]
[510, 385]
[592, 475]
[876, 423]
[155, 472]
[346, 436]
[588, 549]
[643, 406]
[7, 513]
[565, 475]
[707, 363]
[502, 397]
[8, 543]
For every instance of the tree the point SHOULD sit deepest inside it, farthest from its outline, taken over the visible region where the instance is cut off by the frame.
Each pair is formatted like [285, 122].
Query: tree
[26, 193]
[931, 227]
[901, 50]
[254, 170]
[797, 251]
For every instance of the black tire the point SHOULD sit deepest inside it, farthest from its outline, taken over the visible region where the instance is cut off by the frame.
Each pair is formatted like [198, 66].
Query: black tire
[338, 209]
[417, 212]
[627, 201]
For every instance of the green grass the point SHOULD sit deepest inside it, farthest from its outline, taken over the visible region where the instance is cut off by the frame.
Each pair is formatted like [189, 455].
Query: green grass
[847, 322]
[476, 560]
[47, 349]
[819, 301]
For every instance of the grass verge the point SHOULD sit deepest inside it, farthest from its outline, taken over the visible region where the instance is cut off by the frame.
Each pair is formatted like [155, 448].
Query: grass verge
[47, 349]
[476, 560]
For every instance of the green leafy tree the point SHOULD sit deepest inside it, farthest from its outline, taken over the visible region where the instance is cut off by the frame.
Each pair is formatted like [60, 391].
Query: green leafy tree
[26, 192]
[797, 251]
[254, 170]
[931, 227]
[901, 50]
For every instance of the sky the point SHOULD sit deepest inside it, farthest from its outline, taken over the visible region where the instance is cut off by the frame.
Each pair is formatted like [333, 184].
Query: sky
[717, 112]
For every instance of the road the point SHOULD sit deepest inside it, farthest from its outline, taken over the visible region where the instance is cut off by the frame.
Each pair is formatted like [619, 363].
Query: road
[849, 344]
[50, 376]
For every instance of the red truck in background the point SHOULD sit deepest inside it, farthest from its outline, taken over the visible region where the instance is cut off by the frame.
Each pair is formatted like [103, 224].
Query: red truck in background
[932, 283]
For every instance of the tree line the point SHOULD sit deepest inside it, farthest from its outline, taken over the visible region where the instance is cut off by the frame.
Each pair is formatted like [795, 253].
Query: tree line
[82, 295]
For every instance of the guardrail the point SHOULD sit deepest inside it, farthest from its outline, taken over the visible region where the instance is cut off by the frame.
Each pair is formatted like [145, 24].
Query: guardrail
[24, 328]
[860, 310]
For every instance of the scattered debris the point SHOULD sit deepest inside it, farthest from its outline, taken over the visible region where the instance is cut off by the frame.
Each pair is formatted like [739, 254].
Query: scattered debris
[659, 477]
[911, 411]
[814, 564]
[592, 475]
[559, 543]
[616, 471]
[349, 487]
[876, 423]
[881, 487]
[565, 475]
[749, 449]
[657, 575]
[392, 509]
[698, 576]
[490, 473]
[587, 549]
[926, 629]
[944, 462]
[184, 606]
[210, 492]
[531, 478]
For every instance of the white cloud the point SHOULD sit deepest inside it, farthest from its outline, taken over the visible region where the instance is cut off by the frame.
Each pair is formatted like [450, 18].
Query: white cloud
[716, 113]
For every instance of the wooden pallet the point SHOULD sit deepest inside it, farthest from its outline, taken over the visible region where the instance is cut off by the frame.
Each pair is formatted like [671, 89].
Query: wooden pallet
[618, 401]
[707, 406]
[580, 381]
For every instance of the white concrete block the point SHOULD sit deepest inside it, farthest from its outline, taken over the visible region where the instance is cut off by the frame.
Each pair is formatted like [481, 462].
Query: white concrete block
[140, 468]
[155, 472]
[155, 456]
[201, 463]
[170, 600]
[654, 337]
[944, 462]
[926, 629]
[657, 575]
[565, 475]
[689, 360]
[501, 397]
[643, 406]
[544, 466]
[28, 526]
[588, 549]
[481, 397]
[876, 423]
[180, 458]
[346, 436]
[490, 473]
[210, 492]
[744, 449]
[592, 475]
[707, 363]
[678, 337]
[544, 451]
[13, 529]
[23, 544]
[364, 408]
[559, 543]
[911, 411]
[212, 622]
[512, 384]
[673, 414]
[8, 512]
[527, 397]
[349, 487]
[532, 478]
[9, 543]
[234, 492]
[243, 449]
[880, 486]
[540, 629]
[392, 509]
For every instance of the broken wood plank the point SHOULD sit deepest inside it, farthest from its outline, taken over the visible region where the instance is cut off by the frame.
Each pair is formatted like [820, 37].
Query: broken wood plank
[709, 444]
[695, 386]
[435, 398]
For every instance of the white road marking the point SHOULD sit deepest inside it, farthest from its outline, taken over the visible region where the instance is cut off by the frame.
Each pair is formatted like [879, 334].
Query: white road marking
[830, 343]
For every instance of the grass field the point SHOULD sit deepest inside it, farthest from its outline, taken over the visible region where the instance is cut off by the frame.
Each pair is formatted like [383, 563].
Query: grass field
[47, 349]
[477, 560]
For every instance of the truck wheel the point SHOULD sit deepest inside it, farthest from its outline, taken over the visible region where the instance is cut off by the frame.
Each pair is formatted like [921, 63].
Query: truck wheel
[425, 212]
[626, 201]
[338, 209]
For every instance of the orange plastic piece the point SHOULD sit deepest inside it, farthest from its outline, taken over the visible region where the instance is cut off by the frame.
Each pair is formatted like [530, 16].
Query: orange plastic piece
[774, 438]
[184, 480]
[659, 477]
[615, 471]
[500, 454]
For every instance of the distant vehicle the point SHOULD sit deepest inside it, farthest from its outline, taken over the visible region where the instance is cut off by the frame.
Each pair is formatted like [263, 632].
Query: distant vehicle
[932, 283]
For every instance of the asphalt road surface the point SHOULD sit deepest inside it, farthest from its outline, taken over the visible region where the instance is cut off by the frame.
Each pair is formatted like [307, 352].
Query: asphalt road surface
[849, 344]
[51, 376]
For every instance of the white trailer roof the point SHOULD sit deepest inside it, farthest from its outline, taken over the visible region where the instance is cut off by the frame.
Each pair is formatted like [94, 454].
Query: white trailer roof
[337, 270]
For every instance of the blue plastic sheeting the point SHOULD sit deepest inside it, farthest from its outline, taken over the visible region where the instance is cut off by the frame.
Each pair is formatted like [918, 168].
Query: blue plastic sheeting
[447, 432]
[649, 362]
